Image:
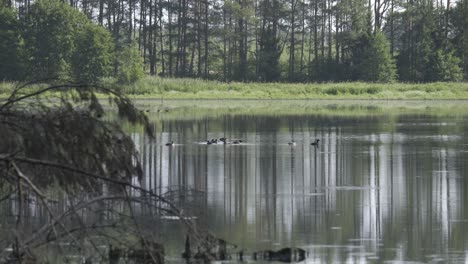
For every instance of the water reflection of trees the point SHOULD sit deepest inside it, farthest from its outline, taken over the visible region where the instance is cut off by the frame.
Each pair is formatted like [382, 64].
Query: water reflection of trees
[386, 187]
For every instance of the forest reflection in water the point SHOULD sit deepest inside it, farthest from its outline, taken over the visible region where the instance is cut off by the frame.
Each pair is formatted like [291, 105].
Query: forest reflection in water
[382, 185]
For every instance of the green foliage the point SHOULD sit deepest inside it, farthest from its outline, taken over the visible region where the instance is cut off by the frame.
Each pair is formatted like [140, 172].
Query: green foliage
[377, 65]
[129, 65]
[94, 54]
[59, 40]
[427, 57]
[62, 43]
[270, 51]
[445, 67]
[359, 43]
[10, 59]
[324, 70]
[50, 29]
[460, 32]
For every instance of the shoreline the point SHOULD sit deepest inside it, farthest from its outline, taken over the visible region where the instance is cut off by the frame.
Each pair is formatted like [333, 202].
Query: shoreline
[182, 109]
[184, 88]
[156, 88]
[155, 98]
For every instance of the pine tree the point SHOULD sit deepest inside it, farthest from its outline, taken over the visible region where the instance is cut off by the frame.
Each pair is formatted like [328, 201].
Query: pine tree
[10, 63]
[269, 54]
[445, 67]
[377, 64]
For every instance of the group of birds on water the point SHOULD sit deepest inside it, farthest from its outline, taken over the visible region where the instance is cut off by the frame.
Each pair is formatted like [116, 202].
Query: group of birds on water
[215, 141]
[224, 141]
[239, 141]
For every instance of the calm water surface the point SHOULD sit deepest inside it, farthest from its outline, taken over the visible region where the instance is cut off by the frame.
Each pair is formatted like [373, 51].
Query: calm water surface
[385, 184]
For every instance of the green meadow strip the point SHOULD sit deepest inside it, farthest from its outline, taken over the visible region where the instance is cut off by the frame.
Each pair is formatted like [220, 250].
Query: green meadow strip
[154, 87]
[172, 88]
[200, 109]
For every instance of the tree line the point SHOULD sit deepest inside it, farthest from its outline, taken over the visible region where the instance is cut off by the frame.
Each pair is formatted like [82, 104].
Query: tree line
[236, 40]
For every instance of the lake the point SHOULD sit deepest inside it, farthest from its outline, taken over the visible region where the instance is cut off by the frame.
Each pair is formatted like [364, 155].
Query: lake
[386, 183]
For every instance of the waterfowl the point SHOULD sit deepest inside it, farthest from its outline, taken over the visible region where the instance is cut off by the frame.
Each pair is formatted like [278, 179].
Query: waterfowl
[292, 143]
[315, 143]
[170, 143]
[237, 142]
[223, 139]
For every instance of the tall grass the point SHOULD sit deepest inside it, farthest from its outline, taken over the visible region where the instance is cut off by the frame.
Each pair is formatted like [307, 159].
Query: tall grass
[154, 87]
[173, 88]
[201, 109]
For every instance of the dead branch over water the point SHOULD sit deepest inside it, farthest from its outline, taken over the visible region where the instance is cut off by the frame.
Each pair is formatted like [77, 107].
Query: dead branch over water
[69, 181]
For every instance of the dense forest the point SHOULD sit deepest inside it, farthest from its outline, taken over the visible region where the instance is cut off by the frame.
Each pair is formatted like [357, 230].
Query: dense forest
[235, 40]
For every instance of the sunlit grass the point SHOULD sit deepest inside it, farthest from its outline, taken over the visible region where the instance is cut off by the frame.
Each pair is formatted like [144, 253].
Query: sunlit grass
[202, 109]
[154, 87]
[174, 88]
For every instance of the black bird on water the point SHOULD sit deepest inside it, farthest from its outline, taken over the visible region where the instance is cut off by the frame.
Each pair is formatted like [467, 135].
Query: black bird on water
[212, 141]
[315, 143]
[170, 143]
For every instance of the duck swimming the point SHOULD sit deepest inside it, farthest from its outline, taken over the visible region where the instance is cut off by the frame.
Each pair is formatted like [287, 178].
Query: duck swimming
[315, 143]
[170, 143]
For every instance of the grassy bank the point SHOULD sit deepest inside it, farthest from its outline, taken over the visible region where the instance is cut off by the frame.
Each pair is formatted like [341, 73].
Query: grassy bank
[154, 87]
[200, 89]
[201, 109]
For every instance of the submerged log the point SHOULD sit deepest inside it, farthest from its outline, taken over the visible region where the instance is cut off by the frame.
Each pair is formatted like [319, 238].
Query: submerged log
[283, 255]
[187, 253]
[150, 253]
[114, 254]
[209, 249]
[147, 256]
